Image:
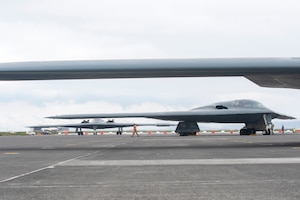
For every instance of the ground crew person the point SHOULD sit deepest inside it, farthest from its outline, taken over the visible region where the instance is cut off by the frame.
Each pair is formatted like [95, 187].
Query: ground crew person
[134, 131]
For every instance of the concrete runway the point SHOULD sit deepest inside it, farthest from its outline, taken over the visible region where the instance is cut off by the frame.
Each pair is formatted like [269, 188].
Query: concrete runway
[150, 167]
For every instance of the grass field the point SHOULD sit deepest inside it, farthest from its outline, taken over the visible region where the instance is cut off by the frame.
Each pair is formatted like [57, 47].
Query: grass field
[13, 134]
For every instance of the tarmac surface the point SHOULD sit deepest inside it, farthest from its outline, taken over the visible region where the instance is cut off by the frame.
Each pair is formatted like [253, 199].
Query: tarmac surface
[150, 167]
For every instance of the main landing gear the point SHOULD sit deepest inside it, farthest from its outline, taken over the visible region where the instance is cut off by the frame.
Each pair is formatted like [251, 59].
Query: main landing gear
[120, 131]
[187, 128]
[79, 131]
[187, 133]
[247, 131]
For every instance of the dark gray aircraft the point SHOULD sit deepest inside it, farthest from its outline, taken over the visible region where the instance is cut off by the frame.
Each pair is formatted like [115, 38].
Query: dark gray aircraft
[98, 124]
[266, 72]
[253, 114]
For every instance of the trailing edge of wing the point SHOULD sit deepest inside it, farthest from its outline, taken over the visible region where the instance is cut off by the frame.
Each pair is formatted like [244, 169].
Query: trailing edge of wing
[276, 81]
[268, 72]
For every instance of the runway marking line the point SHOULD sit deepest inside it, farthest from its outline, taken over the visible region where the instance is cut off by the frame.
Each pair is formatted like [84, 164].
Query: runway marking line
[240, 161]
[11, 153]
[47, 148]
[243, 141]
[135, 183]
[48, 167]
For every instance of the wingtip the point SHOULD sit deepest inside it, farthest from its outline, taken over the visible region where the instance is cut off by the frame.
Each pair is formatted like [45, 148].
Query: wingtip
[51, 117]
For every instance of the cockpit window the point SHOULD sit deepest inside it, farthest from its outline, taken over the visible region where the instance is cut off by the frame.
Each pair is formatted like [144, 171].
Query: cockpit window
[219, 107]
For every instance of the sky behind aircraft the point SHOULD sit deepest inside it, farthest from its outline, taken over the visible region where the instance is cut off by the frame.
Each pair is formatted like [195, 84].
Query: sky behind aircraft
[39, 31]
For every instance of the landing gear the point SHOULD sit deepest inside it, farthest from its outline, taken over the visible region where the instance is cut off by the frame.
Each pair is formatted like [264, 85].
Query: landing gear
[186, 133]
[187, 128]
[247, 131]
[119, 133]
[120, 130]
[267, 132]
[95, 130]
[80, 132]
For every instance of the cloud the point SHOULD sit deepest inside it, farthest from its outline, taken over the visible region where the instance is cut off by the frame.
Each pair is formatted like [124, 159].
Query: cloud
[77, 30]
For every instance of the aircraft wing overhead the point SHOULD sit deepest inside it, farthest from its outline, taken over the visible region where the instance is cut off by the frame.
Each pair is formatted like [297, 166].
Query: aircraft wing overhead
[276, 81]
[267, 72]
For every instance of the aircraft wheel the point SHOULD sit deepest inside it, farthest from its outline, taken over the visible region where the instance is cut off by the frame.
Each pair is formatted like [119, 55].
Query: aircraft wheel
[119, 133]
[184, 134]
[252, 131]
[243, 131]
[267, 132]
[247, 131]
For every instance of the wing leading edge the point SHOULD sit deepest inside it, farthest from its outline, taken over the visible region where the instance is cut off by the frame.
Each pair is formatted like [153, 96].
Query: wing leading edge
[266, 72]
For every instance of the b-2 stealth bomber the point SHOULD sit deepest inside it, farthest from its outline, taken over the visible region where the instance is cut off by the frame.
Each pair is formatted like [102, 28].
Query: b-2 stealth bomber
[253, 114]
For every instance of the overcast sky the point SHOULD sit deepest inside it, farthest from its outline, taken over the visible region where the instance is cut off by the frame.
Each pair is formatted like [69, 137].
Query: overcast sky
[39, 30]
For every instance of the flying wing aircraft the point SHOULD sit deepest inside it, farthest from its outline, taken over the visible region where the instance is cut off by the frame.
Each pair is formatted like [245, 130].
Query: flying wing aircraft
[266, 72]
[98, 124]
[253, 114]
